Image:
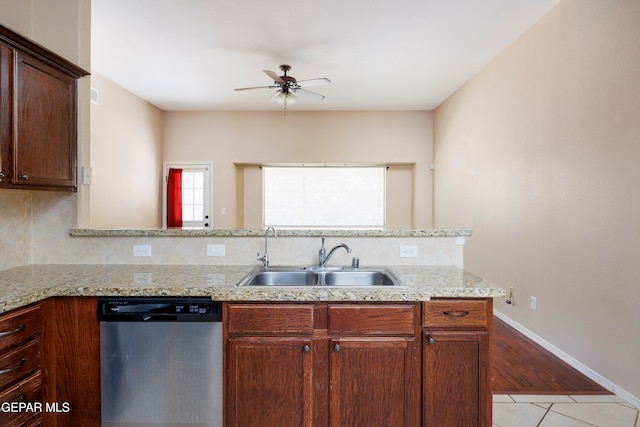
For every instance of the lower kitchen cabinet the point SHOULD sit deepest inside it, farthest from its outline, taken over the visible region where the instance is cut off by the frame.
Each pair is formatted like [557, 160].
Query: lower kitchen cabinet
[322, 364]
[269, 381]
[457, 363]
[71, 361]
[371, 382]
[20, 366]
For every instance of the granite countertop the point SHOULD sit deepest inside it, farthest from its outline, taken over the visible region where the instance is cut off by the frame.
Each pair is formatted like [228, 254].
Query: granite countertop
[157, 232]
[21, 286]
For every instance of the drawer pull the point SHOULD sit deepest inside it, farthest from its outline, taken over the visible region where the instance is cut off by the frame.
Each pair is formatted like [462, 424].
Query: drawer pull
[13, 368]
[336, 347]
[306, 348]
[431, 341]
[15, 331]
[23, 177]
[456, 313]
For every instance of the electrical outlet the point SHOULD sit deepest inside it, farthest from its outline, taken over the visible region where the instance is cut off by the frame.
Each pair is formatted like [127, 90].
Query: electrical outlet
[534, 303]
[142, 278]
[141, 250]
[408, 251]
[216, 250]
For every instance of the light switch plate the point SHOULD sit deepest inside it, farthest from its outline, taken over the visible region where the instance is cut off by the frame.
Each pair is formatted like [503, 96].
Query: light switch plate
[216, 250]
[86, 175]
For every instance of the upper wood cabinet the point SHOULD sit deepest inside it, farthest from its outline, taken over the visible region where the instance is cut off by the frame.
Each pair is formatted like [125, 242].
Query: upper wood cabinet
[38, 116]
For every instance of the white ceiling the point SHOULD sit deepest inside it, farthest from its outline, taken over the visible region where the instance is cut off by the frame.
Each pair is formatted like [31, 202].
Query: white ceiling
[378, 54]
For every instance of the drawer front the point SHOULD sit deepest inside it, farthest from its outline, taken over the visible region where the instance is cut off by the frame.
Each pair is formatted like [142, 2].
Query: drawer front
[372, 319]
[19, 362]
[19, 326]
[456, 313]
[29, 391]
[250, 319]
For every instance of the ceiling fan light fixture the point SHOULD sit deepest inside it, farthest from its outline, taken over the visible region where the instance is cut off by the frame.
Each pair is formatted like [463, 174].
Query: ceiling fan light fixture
[285, 98]
[288, 85]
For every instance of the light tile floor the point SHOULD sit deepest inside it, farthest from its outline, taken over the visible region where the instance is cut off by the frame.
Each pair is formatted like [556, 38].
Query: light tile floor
[563, 411]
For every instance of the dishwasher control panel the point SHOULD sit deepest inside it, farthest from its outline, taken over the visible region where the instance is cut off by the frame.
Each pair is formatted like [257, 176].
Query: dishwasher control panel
[167, 309]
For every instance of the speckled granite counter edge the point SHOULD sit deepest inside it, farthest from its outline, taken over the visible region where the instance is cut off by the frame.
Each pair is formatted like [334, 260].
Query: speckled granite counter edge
[81, 232]
[21, 286]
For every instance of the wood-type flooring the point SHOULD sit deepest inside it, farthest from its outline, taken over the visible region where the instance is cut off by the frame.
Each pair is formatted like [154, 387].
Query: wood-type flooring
[522, 366]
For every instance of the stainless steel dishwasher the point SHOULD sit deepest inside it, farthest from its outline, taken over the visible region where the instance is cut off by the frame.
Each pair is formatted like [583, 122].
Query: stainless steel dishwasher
[160, 362]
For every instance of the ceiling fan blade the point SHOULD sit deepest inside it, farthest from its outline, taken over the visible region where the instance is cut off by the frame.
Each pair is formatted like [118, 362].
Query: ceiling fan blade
[274, 76]
[310, 94]
[314, 82]
[256, 87]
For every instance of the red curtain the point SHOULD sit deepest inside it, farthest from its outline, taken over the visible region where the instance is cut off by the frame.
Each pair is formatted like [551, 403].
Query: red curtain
[174, 199]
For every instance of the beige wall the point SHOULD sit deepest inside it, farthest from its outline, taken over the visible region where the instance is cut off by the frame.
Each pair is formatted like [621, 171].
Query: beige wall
[229, 138]
[539, 155]
[126, 159]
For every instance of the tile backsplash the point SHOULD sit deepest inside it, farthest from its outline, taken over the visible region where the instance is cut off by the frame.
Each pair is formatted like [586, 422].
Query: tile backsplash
[15, 228]
[34, 228]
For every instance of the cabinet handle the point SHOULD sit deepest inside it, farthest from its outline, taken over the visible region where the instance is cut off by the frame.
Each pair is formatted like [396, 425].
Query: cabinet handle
[306, 348]
[430, 341]
[1, 176]
[23, 177]
[15, 331]
[13, 368]
[336, 347]
[456, 313]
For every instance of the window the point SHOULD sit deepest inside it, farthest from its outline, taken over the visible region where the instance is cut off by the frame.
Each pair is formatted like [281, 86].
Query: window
[187, 196]
[324, 196]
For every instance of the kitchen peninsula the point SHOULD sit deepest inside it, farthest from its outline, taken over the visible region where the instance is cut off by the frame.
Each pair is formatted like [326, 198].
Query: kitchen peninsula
[409, 336]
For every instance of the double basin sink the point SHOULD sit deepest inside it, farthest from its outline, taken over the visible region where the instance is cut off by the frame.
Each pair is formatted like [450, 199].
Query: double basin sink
[321, 276]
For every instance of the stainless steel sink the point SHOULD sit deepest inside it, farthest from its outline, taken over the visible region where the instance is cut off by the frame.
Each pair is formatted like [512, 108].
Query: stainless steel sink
[359, 278]
[281, 278]
[316, 276]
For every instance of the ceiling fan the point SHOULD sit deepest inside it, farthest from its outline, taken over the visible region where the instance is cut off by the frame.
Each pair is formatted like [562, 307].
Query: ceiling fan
[288, 87]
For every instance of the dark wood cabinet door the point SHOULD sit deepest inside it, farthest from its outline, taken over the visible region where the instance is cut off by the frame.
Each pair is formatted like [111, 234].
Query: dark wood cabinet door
[374, 381]
[44, 124]
[455, 369]
[6, 107]
[269, 382]
[71, 361]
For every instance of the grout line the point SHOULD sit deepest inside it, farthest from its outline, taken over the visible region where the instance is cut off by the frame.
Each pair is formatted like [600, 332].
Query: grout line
[545, 414]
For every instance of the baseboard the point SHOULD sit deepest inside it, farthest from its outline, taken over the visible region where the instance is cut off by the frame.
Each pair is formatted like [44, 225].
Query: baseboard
[579, 366]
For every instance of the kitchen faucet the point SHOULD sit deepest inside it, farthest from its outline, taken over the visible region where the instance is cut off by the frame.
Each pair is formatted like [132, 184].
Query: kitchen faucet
[323, 257]
[265, 258]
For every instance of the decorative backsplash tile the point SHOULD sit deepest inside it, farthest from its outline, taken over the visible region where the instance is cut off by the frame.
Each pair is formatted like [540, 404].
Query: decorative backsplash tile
[15, 228]
[34, 228]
